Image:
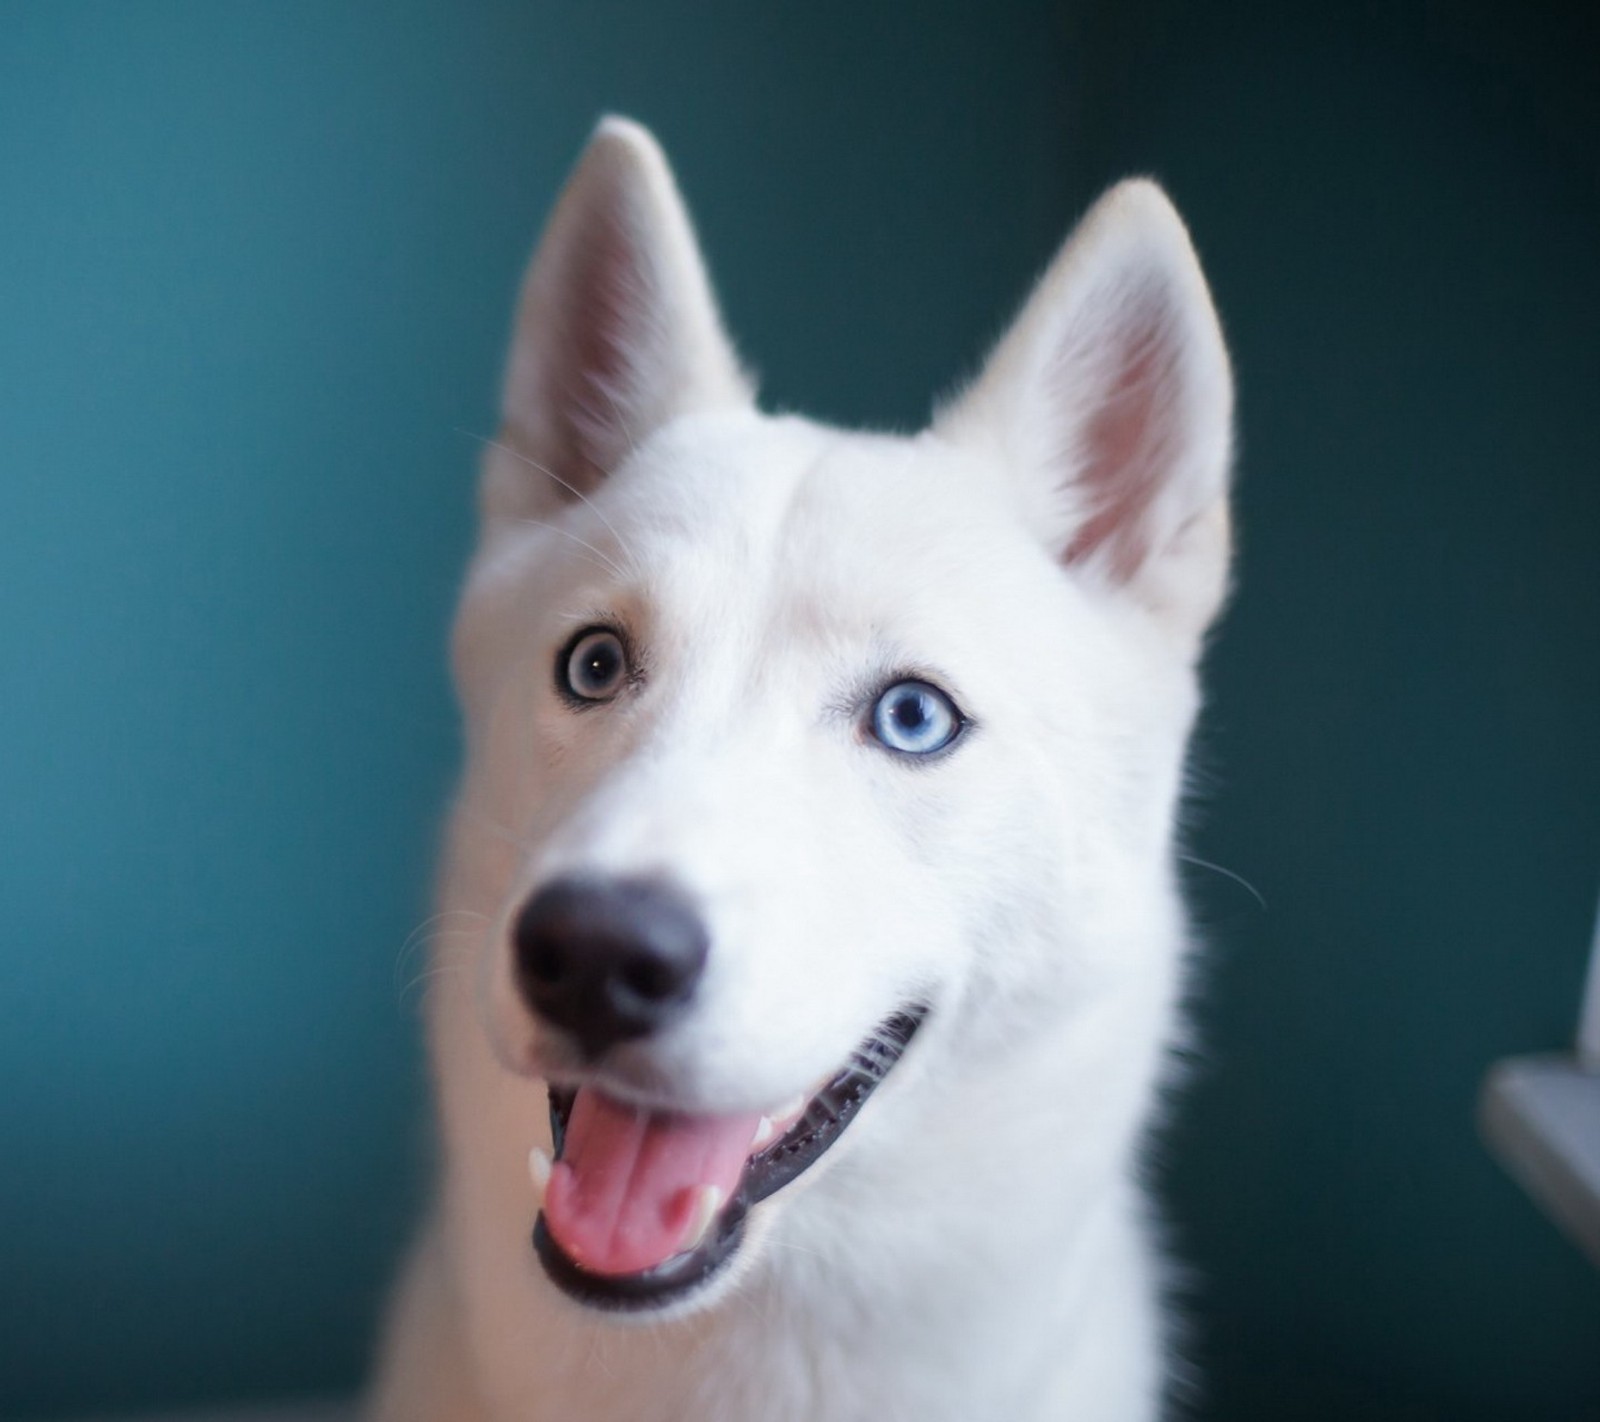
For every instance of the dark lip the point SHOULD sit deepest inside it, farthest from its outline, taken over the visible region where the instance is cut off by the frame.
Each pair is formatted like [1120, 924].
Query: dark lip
[824, 1120]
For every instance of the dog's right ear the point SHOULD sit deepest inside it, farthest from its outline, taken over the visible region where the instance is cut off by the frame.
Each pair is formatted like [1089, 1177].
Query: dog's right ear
[617, 331]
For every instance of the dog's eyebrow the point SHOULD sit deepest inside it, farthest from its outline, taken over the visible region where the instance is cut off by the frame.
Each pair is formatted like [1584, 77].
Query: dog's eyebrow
[891, 666]
[549, 473]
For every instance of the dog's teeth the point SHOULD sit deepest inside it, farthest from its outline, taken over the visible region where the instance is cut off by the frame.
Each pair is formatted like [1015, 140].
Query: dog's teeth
[765, 1131]
[539, 1170]
[707, 1201]
[793, 1107]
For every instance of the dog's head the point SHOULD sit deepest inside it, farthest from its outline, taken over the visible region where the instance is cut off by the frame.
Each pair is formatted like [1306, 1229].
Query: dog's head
[793, 751]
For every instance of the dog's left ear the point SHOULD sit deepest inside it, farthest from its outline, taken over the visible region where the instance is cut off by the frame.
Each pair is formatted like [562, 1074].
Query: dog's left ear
[617, 330]
[1111, 399]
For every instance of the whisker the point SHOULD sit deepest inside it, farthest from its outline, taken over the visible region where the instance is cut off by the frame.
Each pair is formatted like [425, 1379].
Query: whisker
[429, 977]
[622, 424]
[803, 1250]
[610, 563]
[504, 833]
[572, 489]
[453, 961]
[426, 932]
[1238, 879]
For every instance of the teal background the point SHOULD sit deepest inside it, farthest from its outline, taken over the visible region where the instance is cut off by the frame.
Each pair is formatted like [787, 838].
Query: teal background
[256, 265]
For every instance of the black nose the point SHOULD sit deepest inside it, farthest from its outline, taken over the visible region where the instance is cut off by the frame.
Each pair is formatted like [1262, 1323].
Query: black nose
[608, 959]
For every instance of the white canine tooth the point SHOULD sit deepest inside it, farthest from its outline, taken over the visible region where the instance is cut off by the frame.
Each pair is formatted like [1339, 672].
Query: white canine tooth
[539, 1170]
[765, 1131]
[792, 1107]
[707, 1201]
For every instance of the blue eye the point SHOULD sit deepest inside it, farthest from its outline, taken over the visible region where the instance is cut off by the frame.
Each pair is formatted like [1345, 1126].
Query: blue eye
[915, 719]
[595, 667]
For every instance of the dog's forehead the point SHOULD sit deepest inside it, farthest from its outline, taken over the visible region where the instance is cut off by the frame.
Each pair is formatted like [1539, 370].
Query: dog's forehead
[749, 512]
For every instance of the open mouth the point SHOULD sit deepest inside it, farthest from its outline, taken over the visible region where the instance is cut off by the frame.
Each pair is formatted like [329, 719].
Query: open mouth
[642, 1207]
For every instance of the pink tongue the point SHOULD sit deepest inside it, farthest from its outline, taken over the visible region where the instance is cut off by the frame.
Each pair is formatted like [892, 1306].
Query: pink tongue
[624, 1192]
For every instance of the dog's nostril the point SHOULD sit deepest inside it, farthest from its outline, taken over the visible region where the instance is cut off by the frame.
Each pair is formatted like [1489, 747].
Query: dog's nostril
[606, 960]
[544, 963]
[649, 978]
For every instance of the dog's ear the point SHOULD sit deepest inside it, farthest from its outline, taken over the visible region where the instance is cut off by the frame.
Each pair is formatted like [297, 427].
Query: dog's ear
[617, 330]
[1112, 400]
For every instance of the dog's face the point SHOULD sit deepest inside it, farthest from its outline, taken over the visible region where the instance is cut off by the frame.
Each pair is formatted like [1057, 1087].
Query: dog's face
[789, 746]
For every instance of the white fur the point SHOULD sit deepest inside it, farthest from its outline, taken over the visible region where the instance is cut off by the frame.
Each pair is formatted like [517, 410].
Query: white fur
[1050, 550]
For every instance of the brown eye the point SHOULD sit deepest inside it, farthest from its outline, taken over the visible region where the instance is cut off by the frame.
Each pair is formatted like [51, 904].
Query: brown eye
[596, 667]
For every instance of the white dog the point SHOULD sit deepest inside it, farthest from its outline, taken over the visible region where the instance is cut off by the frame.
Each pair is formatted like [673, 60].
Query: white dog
[811, 896]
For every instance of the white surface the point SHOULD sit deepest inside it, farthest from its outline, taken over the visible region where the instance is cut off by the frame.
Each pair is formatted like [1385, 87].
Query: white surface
[1589, 1017]
[1541, 1117]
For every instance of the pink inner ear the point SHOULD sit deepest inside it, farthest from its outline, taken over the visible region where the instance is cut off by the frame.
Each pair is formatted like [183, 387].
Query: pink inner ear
[601, 331]
[1128, 443]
